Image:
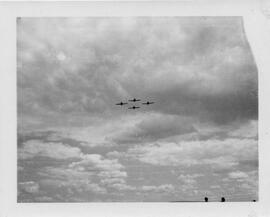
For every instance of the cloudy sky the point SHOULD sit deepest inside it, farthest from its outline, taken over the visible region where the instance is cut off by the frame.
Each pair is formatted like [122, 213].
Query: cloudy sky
[199, 139]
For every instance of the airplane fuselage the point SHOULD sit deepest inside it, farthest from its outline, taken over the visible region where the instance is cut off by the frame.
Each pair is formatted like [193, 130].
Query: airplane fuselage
[134, 100]
[134, 107]
[121, 103]
[148, 103]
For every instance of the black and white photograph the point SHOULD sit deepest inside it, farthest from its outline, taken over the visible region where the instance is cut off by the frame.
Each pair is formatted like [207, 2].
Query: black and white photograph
[136, 109]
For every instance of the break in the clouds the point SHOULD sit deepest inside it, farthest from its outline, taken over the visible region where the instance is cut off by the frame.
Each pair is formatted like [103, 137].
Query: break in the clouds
[198, 139]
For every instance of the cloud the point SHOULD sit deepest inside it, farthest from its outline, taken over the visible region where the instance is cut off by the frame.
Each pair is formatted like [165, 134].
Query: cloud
[123, 187]
[248, 130]
[215, 153]
[110, 171]
[153, 127]
[114, 173]
[29, 187]
[243, 183]
[97, 162]
[92, 174]
[96, 188]
[238, 175]
[66, 180]
[113, 180]
[165, 188]
[114, 154]
[188, 182]
[35, 148]
[201, 67]
[44, 199]
[189, 179]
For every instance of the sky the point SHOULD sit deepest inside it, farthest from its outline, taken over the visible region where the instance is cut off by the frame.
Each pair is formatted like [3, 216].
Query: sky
[199, 139]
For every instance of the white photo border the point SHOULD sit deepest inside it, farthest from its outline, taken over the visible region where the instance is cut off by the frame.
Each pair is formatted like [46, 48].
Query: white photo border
[257, 27]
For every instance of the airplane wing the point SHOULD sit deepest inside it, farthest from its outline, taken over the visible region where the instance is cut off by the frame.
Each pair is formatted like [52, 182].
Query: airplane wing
[136, 107]
[118, 104]
[130, 108]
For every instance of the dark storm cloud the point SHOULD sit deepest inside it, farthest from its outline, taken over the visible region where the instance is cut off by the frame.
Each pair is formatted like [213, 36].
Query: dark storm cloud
[199, 67]
[220, 108]
[220, 92]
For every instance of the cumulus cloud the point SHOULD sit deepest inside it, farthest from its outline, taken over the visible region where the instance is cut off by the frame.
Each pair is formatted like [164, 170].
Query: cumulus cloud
[95, 188]
[29, 187]
[248, 130]
[250, 184]
[110, 171]
[238, 175]
[113, 180]
[189, 179]
[34, 148]
[166, 188]
[113, 154]
[123, 187]
[69, 181]
[217, 154]
[97, 162]
[243, 183]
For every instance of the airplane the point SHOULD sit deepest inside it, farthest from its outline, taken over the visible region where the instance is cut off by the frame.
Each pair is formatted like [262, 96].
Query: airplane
[134, 100]
[133, 107]
[121, 103]
[148, 103]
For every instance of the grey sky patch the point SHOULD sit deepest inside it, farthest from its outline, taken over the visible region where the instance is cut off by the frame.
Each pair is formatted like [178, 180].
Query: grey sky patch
[155, 127]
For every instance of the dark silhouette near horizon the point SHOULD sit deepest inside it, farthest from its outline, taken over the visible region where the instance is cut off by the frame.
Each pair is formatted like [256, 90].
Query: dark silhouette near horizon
[206, 199]
[223, 199]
